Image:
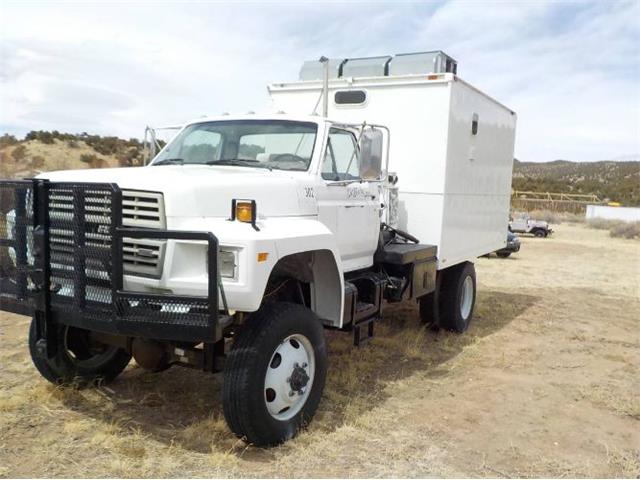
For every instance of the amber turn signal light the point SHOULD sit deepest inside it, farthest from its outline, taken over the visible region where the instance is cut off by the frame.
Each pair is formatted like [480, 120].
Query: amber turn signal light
[244, 211]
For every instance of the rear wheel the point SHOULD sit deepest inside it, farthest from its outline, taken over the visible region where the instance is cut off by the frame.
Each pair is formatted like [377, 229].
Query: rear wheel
[79, 359]
[457, 297]
[275, 374]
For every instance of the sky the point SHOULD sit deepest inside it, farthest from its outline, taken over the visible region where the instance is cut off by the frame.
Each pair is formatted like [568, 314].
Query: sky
[570, 69]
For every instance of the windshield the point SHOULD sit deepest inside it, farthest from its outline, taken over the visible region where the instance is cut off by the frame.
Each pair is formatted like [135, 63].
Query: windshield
[272, 144]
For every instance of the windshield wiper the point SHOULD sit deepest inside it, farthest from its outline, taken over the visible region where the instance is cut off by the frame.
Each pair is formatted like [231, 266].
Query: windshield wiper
[241, 162]
[169, 161]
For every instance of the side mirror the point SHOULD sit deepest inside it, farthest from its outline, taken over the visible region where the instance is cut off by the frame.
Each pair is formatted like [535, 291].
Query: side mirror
[371, 154]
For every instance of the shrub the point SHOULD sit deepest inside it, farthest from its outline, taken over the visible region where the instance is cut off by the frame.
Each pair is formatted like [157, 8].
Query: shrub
[626, 230]
[129, 158]
[556, 217]
[89, 158]
[7, 140]
[72, 144]
[41, 136]
[19, 153]
[602, 223]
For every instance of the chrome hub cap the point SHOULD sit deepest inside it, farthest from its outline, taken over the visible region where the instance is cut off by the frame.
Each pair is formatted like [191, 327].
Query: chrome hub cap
[289, 377]
[466, 299]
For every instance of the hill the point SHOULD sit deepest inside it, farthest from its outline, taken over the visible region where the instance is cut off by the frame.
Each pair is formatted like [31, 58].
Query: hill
[45, 151]
[610, 180]
[42, 151]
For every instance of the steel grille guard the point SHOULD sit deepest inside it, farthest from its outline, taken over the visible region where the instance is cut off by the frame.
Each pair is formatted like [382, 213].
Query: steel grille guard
[84, 287]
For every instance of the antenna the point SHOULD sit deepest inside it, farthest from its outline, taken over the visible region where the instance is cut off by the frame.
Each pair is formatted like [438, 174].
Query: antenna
[325, 85]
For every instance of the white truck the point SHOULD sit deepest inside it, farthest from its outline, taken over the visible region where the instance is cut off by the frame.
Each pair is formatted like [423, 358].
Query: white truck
[523, 223]
[246, 235]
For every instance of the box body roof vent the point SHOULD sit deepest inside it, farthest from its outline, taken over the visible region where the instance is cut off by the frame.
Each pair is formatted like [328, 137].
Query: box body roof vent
[312, 69]
[420, 63]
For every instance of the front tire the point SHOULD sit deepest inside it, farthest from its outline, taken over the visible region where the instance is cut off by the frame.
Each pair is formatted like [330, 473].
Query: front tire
[503, 254]
[78, 359]
[540, 233]
[275, 374]
[457, 297]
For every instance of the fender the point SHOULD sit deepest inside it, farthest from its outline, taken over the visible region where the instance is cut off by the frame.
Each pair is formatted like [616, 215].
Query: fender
[278, 237]
[310, 235]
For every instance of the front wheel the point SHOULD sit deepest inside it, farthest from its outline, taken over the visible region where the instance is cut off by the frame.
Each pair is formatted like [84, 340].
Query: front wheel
[540, 233]
[79, 358]
[503, 254]
[275, 374]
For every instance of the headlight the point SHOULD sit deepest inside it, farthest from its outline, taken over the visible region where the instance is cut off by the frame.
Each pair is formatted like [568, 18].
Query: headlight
[227, 263]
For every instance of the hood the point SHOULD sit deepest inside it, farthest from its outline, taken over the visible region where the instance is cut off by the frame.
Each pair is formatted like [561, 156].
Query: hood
[205, 191]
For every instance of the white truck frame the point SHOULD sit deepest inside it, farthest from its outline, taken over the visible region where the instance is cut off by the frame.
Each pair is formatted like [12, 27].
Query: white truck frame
[234, 261]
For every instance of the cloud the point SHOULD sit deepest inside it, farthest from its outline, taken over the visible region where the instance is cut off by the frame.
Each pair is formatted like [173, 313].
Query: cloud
[570, 70]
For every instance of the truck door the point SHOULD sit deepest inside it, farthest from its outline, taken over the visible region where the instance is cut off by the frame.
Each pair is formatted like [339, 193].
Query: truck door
[348, 205]
[520, 224]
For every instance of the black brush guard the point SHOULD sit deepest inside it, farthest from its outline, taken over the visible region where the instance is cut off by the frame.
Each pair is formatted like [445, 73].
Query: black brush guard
[61, 261]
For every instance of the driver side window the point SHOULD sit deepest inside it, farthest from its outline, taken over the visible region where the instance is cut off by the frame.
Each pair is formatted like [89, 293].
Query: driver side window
[201, 146]
[341, 160]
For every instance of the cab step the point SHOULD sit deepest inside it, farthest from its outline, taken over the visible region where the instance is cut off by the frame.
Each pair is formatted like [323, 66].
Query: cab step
[363, 304]
[363, 331]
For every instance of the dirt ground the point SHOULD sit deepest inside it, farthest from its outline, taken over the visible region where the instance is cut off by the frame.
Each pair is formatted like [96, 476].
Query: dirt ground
[545, 383]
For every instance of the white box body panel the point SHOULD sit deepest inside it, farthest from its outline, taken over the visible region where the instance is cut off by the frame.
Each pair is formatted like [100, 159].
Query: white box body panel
[454, 187]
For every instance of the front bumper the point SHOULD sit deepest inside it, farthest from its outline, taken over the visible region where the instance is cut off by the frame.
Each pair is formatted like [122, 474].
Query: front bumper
[80, 283]
[510, 248]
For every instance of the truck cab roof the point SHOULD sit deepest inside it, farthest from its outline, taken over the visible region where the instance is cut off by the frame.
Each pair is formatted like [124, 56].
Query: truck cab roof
[292, 117]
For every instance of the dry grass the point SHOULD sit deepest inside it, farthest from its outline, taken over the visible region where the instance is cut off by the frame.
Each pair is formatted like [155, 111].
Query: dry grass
[626, 230]
[617, 228]
[543, 384]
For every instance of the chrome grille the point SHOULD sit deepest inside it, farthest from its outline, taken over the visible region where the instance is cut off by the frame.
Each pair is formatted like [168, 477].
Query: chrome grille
[146, 210]
[139, 209]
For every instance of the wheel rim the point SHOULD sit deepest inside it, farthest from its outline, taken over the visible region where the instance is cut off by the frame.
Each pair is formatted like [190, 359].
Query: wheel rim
[289, 377]
[82, 351]
[466, 299]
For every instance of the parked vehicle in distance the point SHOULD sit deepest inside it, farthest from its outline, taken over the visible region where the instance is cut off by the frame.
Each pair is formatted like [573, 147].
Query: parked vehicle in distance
[513, 246]
[523, 223]
[249, 234]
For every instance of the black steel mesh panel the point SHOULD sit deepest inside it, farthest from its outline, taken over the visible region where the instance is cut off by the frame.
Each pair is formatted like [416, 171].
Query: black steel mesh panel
[170, 316]
[16, 245]
[166, 318]
[81, 228]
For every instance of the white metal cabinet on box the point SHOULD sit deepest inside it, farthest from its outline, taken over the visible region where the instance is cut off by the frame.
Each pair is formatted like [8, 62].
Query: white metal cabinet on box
[451, 147]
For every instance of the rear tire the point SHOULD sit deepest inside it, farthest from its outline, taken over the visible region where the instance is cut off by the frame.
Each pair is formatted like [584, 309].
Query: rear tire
[275, 374]
[457, 297]
[78, 359]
